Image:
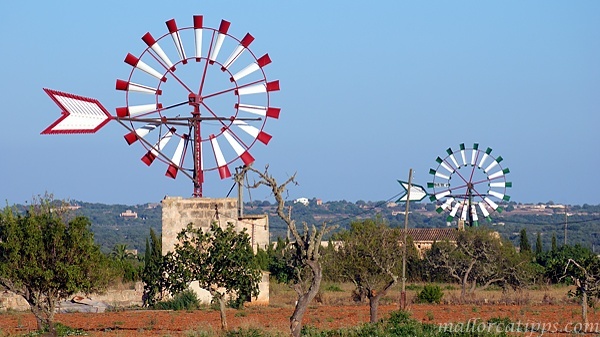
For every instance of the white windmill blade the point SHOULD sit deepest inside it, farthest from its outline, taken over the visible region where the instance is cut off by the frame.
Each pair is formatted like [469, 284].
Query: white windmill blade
[223, 28]
[244, 44]
[239, 150]
[249, 69]
[139, 64]
[444, 165]
[485, 157]
[174, 31]
[462, 154]
[198, 22]
[155, 47]
[176, 159]
[219, 158]
[140, 132]
[258, 88]
[253, 131]
[498, 174]
[259, 110]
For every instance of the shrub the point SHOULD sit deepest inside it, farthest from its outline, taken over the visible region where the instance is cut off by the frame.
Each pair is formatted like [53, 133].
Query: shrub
[430, 294]
[185, 300]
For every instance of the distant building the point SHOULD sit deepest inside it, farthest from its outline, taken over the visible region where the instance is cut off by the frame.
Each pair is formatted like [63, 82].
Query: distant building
[303, 201]
[423, 238]
[128, 214]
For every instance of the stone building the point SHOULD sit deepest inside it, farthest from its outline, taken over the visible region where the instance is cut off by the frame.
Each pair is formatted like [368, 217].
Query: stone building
[178, 212]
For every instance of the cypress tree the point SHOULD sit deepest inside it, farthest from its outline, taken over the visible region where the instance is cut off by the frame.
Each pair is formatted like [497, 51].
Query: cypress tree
[524, 244]
[538, 245]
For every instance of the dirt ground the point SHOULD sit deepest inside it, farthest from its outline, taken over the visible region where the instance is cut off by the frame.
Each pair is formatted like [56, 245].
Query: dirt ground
[550, 310]
[134, 323]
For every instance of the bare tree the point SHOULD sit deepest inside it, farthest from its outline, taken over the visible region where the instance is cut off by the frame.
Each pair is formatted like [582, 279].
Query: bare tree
[586, 276]
[306, 258]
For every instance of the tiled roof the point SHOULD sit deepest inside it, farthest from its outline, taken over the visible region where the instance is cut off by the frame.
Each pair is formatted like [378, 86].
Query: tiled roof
[433, 234]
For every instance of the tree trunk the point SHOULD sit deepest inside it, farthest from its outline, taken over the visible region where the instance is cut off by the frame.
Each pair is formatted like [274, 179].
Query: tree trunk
[373, 307]
[304, 300]
[584, 305]
[221, 299]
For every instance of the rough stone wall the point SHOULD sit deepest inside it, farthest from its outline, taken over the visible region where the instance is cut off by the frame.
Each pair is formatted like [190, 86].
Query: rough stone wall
[178, 212]
[117, 298]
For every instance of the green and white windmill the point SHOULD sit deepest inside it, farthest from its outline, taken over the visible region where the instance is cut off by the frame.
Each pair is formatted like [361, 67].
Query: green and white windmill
[469, 183]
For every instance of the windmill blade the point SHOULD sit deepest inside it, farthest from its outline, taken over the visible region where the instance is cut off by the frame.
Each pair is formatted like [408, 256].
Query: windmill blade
[451, 156]
[177, 159]
[219, 158]
[136, 110]
[249, 69]
[444, 165]
[130, 86]
[131, 137]
[174, 31]
[149, 157]
[259, 110]
[198, 36]
[446, 205]
[223, 28]
[241, 152]
[258, 88]
[462, 154]
[498, 174]
[246, 41]
[474, 215]
[464, 212]
[262, 136]
[137, 63]
[485, 157]
[474, 153]
[437, 174]
[155, 47]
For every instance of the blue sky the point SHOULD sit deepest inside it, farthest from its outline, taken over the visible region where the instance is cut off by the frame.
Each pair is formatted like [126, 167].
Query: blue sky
[369, 90]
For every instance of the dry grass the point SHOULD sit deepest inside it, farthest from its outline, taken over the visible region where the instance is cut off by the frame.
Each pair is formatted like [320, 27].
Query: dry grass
[341, 294]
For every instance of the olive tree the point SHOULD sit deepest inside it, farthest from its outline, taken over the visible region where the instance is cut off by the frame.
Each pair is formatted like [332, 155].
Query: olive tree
[46, 258]
[480, 258]
[370, 257]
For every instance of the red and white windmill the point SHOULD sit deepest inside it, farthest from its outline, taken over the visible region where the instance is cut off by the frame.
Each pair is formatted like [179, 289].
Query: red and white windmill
[196, 85]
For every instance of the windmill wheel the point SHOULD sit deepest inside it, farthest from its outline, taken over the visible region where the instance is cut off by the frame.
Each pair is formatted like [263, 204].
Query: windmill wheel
[203, 88]
[469, 183]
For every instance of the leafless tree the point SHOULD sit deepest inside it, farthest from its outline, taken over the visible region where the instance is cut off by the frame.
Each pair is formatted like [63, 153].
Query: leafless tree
[305, 249]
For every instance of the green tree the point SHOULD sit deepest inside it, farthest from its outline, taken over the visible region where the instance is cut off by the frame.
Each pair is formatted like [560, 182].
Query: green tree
[538, 245]
[369, 258]
[554, 245]
[220, 260]
[152, 274]
[524, 244]
[46, 259]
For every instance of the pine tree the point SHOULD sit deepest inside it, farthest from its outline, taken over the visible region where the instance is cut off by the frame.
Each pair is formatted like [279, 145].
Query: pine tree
[554, 245]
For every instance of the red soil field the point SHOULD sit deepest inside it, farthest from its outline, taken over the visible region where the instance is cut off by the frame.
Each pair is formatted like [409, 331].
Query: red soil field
[560, 319]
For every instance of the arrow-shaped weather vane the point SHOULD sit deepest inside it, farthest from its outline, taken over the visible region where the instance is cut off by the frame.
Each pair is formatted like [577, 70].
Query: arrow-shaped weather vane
[417, 192]
[79, 114]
